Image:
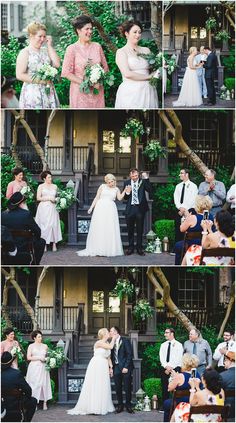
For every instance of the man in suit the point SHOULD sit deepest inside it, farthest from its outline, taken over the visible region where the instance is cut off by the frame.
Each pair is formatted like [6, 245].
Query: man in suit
[228, 378]
[210, 74]
[13, 379]
[9, 253]
[136, 208]
[17, 218]
[122, 360]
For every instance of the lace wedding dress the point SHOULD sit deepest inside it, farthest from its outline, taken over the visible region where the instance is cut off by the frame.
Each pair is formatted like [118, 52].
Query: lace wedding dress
[190, 94]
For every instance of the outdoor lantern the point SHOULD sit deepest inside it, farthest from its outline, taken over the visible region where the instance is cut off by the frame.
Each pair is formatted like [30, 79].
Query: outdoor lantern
[151, 236]
[157, 246]
[61, 344]
[228, 95]
[70, 184]
[140, 394]
[154, 402]
[232, 94]
[165, 244]
[147, 404]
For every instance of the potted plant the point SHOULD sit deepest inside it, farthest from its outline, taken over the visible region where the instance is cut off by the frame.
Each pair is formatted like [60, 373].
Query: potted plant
[222, 35]
[142, 310]
[133, 128]
[211, 24]
[153, 150]
[123, 288]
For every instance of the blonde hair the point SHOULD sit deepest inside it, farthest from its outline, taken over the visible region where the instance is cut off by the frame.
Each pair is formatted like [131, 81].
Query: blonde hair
[109, 177]
[102, 333]
[203, 202]
[192, 49]
[34, 27]
[202, 48]
[189, 361]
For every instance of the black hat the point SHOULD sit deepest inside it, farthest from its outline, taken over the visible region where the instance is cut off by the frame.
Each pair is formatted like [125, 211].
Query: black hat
[7, 83]
[6, 360]
[15, 200]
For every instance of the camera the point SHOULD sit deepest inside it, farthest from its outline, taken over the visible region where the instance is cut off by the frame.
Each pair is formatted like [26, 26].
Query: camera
[205, 214]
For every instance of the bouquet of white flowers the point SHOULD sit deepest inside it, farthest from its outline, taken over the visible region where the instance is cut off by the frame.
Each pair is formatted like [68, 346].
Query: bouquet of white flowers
[46, 73]
[16, 352]
[55, 358]
[65, 198]
[27, 192]
[95, 74]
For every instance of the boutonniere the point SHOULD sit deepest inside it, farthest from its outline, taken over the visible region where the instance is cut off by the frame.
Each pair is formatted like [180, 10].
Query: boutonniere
[188, 185]
[173, 345]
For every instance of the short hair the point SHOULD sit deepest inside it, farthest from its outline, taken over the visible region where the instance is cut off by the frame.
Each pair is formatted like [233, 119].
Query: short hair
[134, 169]
[203, 202]
[225, 222]
[213, 381]
[81, 21]
[189, 361]
[198, 333]
[172, 330]
[117, 329]
[102, 332]
[35, 333]
[192, 49]
[109, 177]
[34, 27]
[127, 25]
[229, 331]
[207, 48]
[186, 171]
[213, 172]
[17, 170]
[44, 174]
[8, 330]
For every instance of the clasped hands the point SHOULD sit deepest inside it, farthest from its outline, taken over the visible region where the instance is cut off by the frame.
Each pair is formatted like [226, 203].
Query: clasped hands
[206, 225]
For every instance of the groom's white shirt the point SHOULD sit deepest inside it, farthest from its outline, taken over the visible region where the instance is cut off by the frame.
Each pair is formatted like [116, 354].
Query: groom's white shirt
[117, 346]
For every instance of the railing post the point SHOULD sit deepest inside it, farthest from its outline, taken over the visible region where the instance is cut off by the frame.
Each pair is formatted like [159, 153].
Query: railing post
[139, 156]
[81, 306]
[72, 217]
[62, 377]
[91, 147]
[136, 361]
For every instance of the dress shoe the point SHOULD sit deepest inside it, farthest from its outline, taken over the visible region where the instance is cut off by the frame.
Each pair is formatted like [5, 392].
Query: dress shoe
[119, 409]
[129, 252]
[130, 410]
[140, 252]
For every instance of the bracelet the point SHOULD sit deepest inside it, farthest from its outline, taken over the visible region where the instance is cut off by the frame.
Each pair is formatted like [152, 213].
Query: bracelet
[192, 391]
[204, 233]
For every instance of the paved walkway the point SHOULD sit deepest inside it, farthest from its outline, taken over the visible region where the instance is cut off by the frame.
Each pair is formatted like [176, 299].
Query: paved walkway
[66, 256]
[57, 413]
[220, 104]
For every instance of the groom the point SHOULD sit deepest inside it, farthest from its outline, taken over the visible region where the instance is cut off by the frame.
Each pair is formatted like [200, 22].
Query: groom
[121, 357]
[210, 74]
[136, 208]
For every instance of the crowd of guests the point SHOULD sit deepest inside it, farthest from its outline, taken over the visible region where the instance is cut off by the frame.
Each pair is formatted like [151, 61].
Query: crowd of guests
[20, 395]
[45, 227]
[202, 211]
[189, 367]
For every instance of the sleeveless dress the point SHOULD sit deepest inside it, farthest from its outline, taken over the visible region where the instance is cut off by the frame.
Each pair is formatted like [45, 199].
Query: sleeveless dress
[193, 254]
[190, 93]
[47, 217]
[104, 233]
[37, 376]
[34, 96]
[95, 396]
[136, 94]
[182, 410]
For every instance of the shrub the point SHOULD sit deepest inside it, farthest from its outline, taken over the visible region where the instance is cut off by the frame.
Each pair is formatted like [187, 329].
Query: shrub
[152, 387]
[165, 228]
[9, 54]
[229, 83]
[229, 63]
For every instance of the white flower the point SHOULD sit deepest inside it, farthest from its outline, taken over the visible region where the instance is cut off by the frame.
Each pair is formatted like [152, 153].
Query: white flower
[63, 203]
[24, 190]
[52, 362]
[157, 74]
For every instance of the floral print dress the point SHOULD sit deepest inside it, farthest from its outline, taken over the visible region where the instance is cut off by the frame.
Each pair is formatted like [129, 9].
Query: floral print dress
[34, 96]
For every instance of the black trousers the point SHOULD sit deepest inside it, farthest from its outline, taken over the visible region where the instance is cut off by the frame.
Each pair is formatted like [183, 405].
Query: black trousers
[179, 236]
[14, 415]
[211, 90]
[135, 217]
[165, 383]
[39, 245]
[120, 379]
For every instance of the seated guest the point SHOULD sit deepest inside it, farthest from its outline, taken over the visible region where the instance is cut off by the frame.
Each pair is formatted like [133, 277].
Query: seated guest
[180, 381]
[17, 218]
[211, 394]
[192, 223]
[9, 253]
[13, 379]
[219, 354]
[214, 189]
[230, 198]
[228, 379]
[223, 237]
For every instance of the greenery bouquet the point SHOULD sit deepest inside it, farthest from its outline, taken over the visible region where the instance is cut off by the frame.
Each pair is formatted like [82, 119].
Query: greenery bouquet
[46, 73]
[55, 358]
[94, 74]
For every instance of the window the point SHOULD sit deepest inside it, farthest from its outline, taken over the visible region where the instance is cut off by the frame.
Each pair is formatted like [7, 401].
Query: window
[98, 301]
[191, 290]
[204, 131]
[108, 141]
[4, 19]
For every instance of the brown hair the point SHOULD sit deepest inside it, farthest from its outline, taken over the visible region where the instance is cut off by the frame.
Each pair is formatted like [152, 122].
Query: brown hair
[81, 21]
[35, 333]
[127, 25]
[44, 174]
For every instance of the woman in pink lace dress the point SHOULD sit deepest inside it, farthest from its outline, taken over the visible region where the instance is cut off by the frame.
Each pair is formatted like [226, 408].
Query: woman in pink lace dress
[76, 58]
[17, 185]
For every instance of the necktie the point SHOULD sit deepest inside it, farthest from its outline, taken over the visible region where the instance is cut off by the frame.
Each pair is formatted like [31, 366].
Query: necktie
[194, 348]
[116, 353]
[135, 193]
[182, 194]
[168, 353]
[227, 345]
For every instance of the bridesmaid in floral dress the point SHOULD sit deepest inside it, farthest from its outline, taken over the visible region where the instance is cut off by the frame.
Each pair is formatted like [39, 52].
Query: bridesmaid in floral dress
[75, 60]
[17, 185]
[33, 93]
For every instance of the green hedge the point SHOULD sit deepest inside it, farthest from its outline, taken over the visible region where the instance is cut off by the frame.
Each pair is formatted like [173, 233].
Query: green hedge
[165, 228]
[230, 83]
[152, 386]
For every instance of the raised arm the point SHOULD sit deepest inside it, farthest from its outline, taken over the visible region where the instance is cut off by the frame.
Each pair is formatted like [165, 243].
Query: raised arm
[120, 195]
[105, 345]
[122, 63]
[95, 200]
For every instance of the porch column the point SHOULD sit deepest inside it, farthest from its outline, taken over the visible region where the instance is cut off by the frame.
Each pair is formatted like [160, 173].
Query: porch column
[151, 322]
[68, 143]
[172, 28]
[58, 301]
[162, 171]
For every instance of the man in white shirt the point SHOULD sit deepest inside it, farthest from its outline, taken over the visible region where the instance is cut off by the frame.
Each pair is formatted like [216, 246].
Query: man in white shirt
[227, 345]
[184, 199]
[171, 353]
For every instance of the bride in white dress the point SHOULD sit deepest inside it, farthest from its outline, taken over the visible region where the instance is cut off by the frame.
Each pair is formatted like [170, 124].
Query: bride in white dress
[104, 233]
[135, 92]
[95, 396]
[190, 94]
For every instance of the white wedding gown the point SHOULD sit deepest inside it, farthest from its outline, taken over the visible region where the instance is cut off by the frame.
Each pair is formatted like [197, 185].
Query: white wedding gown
[190, 93]
[136, 94]
[95, 396]
[104, 233]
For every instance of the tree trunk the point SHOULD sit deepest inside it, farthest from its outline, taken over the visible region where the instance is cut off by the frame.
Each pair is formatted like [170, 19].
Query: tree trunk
[49, 121]
[33, 139]
[167, 6]
[228, 311]
[37, 298]
[14, 143]
[229, 12]
[99, 27]
[163, 287]
[175, 128]
[11, 278]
